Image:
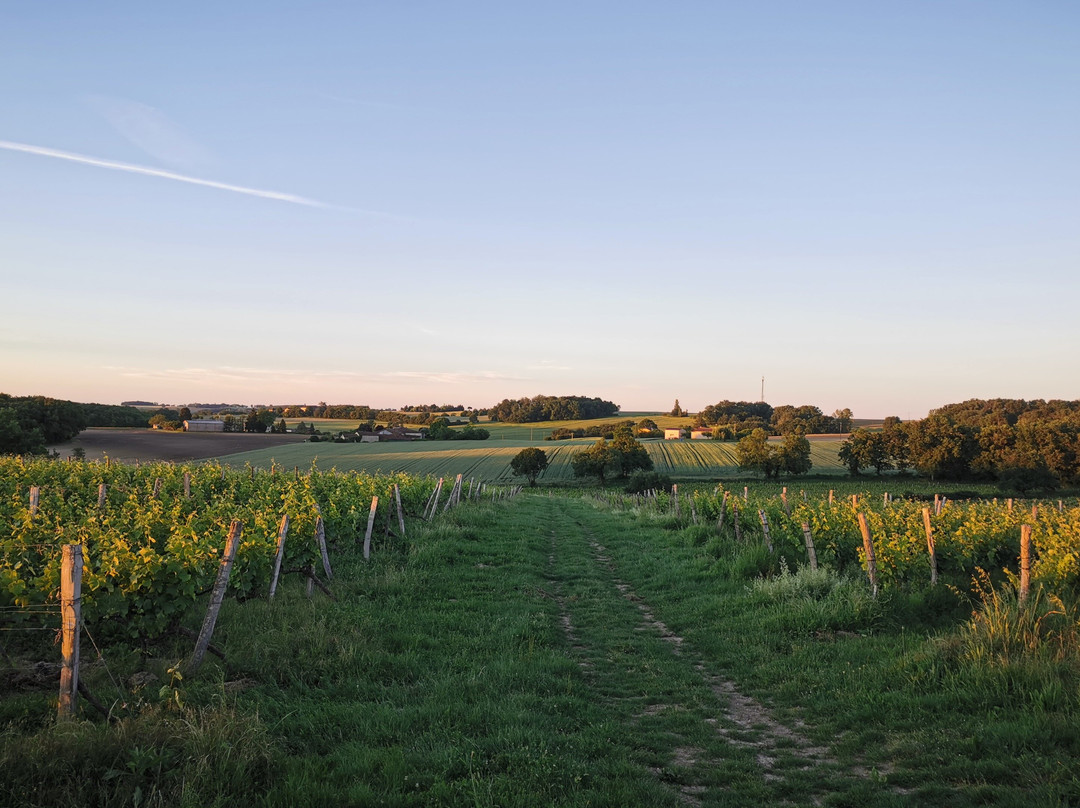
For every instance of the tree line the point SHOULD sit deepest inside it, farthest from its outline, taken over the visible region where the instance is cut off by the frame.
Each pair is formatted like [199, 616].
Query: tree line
[733, 420]
[28, 424]
[1028, 444]
[551, 408]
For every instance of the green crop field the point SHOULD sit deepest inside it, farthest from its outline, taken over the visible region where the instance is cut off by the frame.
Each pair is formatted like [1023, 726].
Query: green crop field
[490, 460]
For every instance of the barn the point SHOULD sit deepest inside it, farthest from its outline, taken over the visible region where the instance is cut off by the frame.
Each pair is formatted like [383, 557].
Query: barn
[204, 425]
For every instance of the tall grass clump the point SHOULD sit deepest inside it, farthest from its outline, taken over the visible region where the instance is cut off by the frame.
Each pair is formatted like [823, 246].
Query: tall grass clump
[1011, 652]
[812, 601]
[1004, 632]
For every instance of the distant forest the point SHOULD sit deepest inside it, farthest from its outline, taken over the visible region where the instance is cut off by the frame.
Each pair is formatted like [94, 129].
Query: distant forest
[551, 408]
[1025, 445]
[30, 423]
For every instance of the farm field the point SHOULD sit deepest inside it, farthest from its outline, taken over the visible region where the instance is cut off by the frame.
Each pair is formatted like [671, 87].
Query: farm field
[128, 445]
[490, 460]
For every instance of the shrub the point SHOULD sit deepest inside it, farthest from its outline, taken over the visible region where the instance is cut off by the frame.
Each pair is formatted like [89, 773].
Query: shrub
[641, 481]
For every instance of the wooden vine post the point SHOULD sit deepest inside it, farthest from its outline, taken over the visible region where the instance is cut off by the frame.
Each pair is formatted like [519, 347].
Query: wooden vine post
[765, 529]
[187, 484]
[400, 513]
[783, 499]
[871, 559]
[370, 525]
[320, 538]
[830, 496]
[102, 490]
[723, 513]
[71, 621]
[283, 530]
[1025, 562]
[808, 537]
[35, 493]
[930, 545]
[217, 595]
[675, 500]
[735, 518]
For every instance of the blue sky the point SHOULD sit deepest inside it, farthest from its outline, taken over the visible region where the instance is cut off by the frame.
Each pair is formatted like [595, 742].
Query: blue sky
[874, 206]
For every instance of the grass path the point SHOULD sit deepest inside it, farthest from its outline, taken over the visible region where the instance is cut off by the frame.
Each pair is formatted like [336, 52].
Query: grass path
[695, 731]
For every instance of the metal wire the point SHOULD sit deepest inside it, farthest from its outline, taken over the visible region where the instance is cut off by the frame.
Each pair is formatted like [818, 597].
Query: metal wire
[112, 679]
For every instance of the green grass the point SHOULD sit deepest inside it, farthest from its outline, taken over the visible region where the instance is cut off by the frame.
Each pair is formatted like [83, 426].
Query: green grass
[549, 650]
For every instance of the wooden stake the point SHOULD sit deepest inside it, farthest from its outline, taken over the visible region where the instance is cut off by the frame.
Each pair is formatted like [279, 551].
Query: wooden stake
[217, 596]
[1034, 512]
[830, 496]
[401, 514]
[765, 529]
[735, 517]
[35, 493]
[854, 501]
[283, 530]
[102, 489]
[370, 524]
[675, 501]
[808, 537]
[71, 622]
[871, 559]
[1025, 562]
[187, 484]
[157, 487]
[746, 493]
[320, 538]
[723, 513]
[930, 545]
[783, 498]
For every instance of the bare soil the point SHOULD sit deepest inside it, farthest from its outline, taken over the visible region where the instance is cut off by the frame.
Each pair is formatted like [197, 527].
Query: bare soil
[129, 445]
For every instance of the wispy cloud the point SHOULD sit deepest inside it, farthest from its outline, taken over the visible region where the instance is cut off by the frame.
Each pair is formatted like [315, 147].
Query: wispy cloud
[131, 168]
[226, 373]
[150, 130]
[547, 364]
[442, 377]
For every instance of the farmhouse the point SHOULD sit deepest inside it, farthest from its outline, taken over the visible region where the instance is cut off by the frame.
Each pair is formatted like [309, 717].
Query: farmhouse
[204, 425]
[674, 433]
[390, 433]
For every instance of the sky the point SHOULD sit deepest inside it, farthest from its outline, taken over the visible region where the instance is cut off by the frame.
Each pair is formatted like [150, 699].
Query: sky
[869, 205]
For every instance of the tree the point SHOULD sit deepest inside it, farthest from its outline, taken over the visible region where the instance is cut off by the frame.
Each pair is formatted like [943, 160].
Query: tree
[754, 453]
[677, 410]
[599, 461]
[866, 449]
[843, 420]
[14, 439]
[439, 429]
[794, 455]
[184, 415]
[529, 463]
[632, 455]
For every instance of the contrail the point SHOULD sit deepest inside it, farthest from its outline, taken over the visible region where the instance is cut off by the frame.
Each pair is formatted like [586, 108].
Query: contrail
[156, 172]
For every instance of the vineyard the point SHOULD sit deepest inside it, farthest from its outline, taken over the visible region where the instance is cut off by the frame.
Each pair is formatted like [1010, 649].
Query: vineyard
[964, 536]
[152, 536]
